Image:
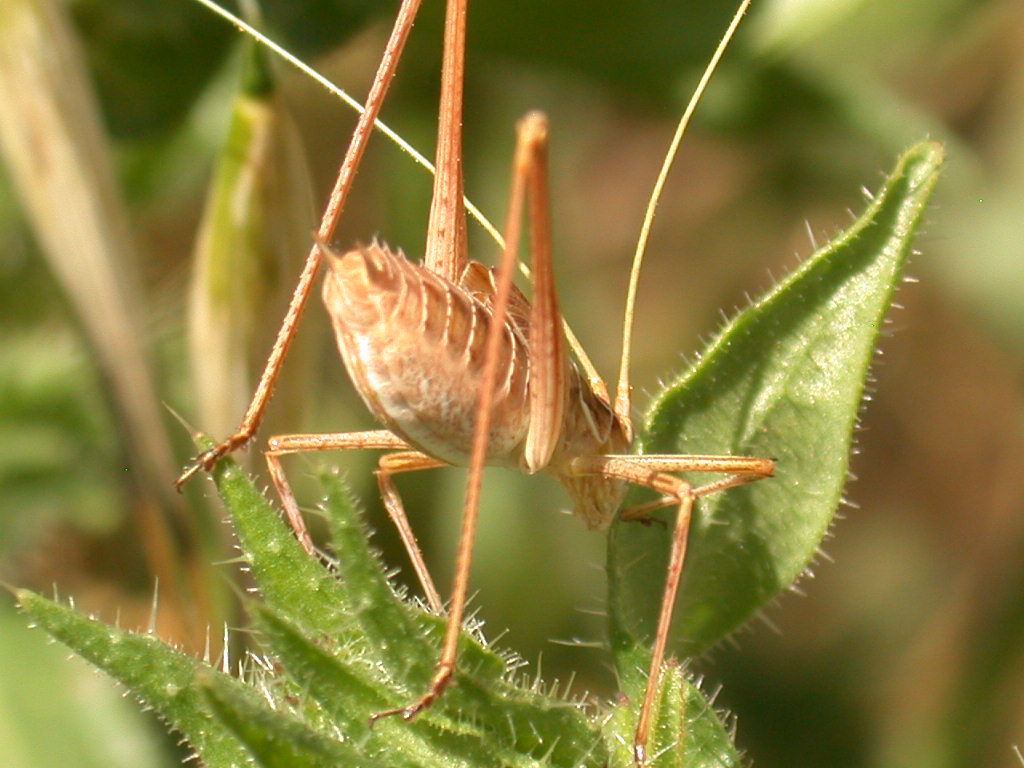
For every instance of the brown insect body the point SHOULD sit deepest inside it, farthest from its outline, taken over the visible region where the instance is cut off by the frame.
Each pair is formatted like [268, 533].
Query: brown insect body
[414, 346]
[464, 370]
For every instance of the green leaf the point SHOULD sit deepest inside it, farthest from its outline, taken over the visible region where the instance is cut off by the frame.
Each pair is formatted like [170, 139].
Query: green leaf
[352, 647]
[159, 675]
[277, 739]
[785, 380]
[685, 729]
[513, 717]
[289, 580]
[348, 692]
[394, 636]
[56, 711]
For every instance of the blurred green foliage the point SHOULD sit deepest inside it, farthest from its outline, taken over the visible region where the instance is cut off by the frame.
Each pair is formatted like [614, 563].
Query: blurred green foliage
[906, 652]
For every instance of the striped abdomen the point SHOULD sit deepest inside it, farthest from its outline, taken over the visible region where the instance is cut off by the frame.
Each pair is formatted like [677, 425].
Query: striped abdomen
[413, 344]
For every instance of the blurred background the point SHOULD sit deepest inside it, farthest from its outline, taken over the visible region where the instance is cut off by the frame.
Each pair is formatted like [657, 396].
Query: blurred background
[907, 646]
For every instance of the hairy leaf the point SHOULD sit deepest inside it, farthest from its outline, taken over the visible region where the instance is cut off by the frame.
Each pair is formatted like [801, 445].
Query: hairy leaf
[784, 379]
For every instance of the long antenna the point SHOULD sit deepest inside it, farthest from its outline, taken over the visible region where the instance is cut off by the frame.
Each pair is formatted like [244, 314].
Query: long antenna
[336, 90]
[624, 388]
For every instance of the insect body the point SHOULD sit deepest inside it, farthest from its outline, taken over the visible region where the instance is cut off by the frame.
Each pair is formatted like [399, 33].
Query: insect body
[462, 369]
[471, 372]
[414, 344]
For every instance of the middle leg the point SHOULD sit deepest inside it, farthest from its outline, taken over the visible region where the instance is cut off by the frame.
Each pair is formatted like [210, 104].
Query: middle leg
[405, 460]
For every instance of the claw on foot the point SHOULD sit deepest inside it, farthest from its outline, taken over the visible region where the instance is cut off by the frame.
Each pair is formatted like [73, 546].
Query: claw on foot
[640, 755]
[206, 460]
[441, 679]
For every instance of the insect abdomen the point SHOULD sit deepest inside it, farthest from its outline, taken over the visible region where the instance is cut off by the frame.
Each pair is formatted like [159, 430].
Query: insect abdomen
[413, 344]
